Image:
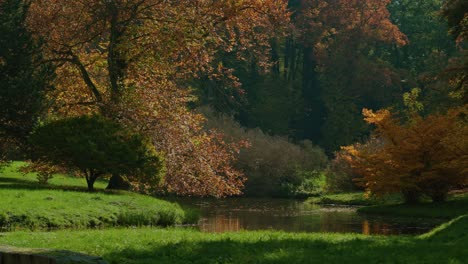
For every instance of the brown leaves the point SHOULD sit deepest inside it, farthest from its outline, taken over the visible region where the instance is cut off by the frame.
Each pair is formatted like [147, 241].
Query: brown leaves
[128, 57]
[198, 162]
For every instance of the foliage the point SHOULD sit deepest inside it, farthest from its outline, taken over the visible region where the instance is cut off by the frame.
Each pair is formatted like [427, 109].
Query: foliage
[426, 156]
[94, 147]
[456, 14]
[455, 11]
[45, 171]
[274, 166]
[144, 245]
[117, 48]
[23, 79]
[198, 162]
[340, 176]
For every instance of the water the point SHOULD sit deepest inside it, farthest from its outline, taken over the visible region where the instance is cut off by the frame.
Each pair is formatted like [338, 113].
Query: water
[236, 214]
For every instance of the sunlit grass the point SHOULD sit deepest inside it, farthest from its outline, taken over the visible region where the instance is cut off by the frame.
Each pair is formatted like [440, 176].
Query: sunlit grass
[150, 245]
[25, 204]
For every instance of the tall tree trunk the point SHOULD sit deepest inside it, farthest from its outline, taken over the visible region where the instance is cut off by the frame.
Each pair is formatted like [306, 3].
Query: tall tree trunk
[117, 65]
[314, 112]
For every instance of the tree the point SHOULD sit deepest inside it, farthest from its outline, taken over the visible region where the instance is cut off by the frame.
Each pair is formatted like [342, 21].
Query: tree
[198, 162]
[428, 155]
[107, 50]
[94, 147]
[353, 74]
[456, 14]
[23, 78]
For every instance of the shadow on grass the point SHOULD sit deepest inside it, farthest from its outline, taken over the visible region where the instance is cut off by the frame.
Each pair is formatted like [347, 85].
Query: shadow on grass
[391, 250]
[20, 255]
[9, 183]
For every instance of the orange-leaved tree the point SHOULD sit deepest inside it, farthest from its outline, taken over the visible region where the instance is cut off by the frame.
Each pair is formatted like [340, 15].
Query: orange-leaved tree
[428, 155]
[131, 61]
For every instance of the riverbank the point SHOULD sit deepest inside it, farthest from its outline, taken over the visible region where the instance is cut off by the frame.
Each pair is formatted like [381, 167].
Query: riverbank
[351, 199]
[41, 207]
[456, 205]
[446, 244]
[64, 203]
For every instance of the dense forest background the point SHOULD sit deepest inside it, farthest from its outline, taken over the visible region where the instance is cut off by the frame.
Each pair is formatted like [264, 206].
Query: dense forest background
[261, 94]
[331, 66]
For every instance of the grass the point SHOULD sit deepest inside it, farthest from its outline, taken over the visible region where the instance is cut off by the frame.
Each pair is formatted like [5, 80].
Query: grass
[393, 205]
[353, 198]
[11, 178]
[455, 206]
[64, 204]
[447, 244]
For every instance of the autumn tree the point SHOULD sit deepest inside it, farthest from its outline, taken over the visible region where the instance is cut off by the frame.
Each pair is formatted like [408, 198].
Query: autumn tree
[198, 162]
[352, 73]
[426, 156]
[109, 51]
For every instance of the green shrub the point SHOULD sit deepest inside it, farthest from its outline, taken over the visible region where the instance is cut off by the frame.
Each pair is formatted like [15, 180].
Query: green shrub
[94, 146]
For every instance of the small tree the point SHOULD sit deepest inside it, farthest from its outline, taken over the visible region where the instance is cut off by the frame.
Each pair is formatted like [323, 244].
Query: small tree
[428, 155]
[95, 146]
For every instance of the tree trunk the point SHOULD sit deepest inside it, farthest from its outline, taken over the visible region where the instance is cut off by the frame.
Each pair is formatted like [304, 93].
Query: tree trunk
[90, 181]
[314, 109]
[117, 182]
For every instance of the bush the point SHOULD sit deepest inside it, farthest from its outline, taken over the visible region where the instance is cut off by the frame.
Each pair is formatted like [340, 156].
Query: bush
[427, 155]
[340, 176]
[94, 146]
[273, 165]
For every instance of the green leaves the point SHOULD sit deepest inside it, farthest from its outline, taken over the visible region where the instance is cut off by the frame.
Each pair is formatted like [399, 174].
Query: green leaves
[96, 146]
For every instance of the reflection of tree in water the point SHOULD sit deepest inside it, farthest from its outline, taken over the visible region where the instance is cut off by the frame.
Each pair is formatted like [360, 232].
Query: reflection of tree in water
[236, 214]
[373, 228]
[220, 223]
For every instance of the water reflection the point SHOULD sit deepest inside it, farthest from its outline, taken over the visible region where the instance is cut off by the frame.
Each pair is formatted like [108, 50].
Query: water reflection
[236, 214]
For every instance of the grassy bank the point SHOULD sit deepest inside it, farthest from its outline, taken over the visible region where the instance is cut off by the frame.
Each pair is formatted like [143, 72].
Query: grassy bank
[455, 206]
[353, 198]
[447, 244]
[25, 204]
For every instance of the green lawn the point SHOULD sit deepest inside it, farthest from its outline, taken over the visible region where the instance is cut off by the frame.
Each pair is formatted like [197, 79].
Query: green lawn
[448, 244]
[26, 207]
[65, 204]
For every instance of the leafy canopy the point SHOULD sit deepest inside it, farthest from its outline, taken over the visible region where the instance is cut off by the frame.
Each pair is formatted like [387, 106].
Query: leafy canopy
[95, 146]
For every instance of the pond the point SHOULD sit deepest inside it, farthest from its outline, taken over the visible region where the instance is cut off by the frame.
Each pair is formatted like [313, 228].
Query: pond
[236, 214]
